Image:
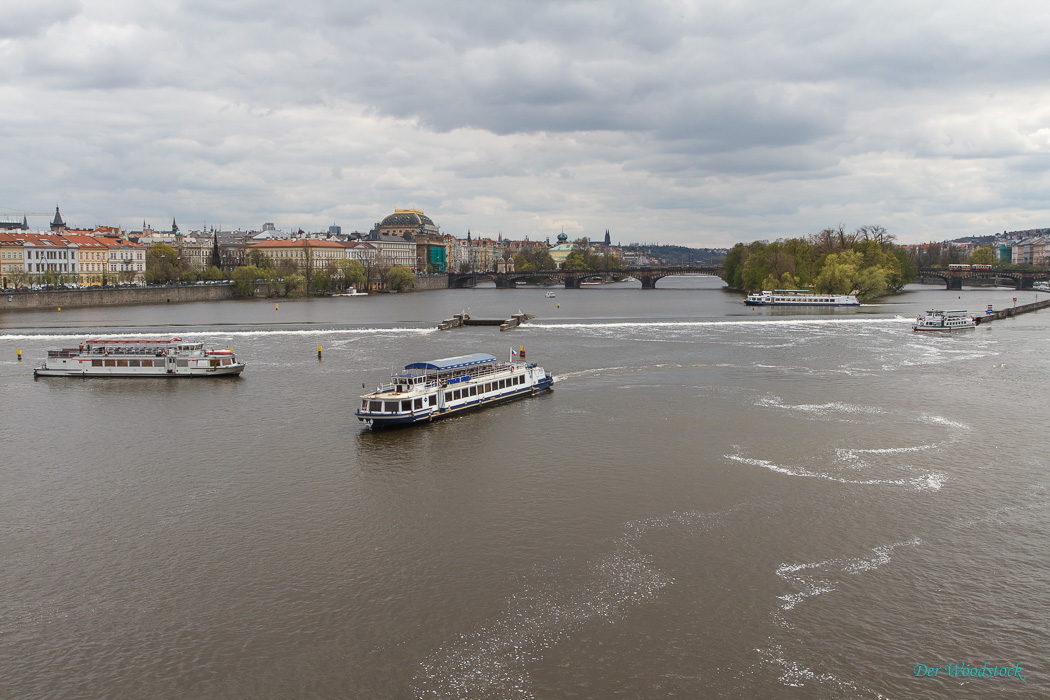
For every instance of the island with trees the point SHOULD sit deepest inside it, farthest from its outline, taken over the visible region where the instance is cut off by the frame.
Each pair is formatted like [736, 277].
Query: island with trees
[866, 262]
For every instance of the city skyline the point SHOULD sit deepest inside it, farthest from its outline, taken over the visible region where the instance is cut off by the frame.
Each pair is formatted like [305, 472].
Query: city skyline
[688, 123]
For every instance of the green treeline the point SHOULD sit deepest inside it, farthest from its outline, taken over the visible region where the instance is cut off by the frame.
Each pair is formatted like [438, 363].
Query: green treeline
[865, 262]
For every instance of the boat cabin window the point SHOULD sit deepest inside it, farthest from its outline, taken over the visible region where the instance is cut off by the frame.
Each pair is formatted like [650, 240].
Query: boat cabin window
[375, 406]
[418, 404]
[96, 363]
[406, 405]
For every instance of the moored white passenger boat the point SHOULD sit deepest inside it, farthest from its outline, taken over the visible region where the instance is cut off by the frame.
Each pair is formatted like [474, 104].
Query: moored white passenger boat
[799, 297]
[937, 320]
[427, 391]
[121, 357]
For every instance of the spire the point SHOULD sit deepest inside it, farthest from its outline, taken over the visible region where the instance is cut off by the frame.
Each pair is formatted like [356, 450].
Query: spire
[216, 256]
[174, 226]
[58, 223]
[468, 235]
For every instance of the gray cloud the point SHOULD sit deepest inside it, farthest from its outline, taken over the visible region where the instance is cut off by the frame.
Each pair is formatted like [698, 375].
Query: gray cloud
[694, 122]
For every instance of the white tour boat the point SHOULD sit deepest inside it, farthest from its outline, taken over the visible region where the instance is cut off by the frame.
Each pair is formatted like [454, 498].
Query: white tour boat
[427, 391]
[549, 294]
[121, 357]
[937, 320]
[799, 297]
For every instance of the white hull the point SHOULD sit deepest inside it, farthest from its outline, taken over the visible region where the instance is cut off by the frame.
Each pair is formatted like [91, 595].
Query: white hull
[797, 298]
[139, 358]
[941, 321]
[139, 372]
[429, 397]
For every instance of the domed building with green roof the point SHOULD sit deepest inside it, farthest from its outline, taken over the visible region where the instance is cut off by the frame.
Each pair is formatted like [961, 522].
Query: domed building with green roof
[413, 226]
[408, 221]
[561, 251]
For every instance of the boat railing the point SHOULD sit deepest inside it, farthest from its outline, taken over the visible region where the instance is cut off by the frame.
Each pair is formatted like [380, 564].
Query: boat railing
[445, 380]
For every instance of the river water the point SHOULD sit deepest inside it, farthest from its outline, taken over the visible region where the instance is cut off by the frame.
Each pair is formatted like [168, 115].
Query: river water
[714, 501]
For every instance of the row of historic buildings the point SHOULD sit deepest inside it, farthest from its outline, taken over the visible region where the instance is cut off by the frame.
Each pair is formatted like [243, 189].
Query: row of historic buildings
[105, 255]
[89, 258]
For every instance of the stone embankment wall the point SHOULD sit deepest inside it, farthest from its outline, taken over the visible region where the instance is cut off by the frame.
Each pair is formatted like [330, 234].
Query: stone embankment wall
[72, 298]
[1013, 311]
[428, 282]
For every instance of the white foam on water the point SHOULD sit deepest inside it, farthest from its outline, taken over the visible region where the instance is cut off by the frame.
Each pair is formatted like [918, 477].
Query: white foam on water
[810, 585]
[833, 408]
[796, 675]
[811, 580]
[925, 481]
[798, 322]
[946, 422]
[594, 372]
[492, 661]
[193, 334]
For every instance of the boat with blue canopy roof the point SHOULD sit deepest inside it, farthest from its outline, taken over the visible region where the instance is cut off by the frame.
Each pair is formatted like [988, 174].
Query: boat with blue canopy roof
[434, 389]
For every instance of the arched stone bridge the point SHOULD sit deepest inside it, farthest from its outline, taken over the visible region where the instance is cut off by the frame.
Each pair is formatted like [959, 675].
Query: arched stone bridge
[571, 279]
[953, 279]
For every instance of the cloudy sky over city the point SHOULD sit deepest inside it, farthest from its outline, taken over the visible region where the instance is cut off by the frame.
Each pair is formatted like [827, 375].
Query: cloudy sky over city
[691, 122]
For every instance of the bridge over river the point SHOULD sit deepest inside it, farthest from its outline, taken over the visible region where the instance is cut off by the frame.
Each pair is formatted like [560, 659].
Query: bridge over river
[572, 279]
[953, 279]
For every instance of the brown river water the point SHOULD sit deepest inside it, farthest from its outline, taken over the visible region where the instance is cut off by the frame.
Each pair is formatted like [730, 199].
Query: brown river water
[715, 501]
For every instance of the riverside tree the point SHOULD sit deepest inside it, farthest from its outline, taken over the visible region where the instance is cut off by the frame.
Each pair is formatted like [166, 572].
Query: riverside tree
[163, 264]
[833, 260]
[399, 279]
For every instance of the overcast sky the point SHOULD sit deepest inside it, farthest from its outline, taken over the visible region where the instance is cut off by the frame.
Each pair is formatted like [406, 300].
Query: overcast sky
[696, 123]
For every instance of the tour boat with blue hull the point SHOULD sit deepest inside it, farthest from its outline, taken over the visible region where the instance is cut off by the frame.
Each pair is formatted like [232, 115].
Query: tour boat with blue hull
[799, 297]
[428, 391]
[132, 357]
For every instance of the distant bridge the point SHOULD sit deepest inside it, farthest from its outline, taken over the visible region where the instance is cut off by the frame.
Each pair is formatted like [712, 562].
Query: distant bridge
[572, 279]
[953, 279]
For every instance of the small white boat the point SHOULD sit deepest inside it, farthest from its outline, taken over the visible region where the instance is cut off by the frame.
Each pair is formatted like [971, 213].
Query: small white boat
[549, 294]
[937, 320]
[122, 357]
[352, 293]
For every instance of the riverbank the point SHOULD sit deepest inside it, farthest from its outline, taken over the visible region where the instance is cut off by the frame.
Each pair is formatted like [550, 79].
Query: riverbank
[121, 296]
[97, 296]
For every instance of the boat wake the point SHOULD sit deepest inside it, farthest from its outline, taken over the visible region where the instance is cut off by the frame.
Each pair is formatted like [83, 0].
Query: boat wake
[924, 481]
[492, 661]
[809, 581]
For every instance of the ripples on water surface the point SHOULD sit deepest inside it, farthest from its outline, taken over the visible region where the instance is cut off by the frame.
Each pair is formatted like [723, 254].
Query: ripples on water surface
[714, 502]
